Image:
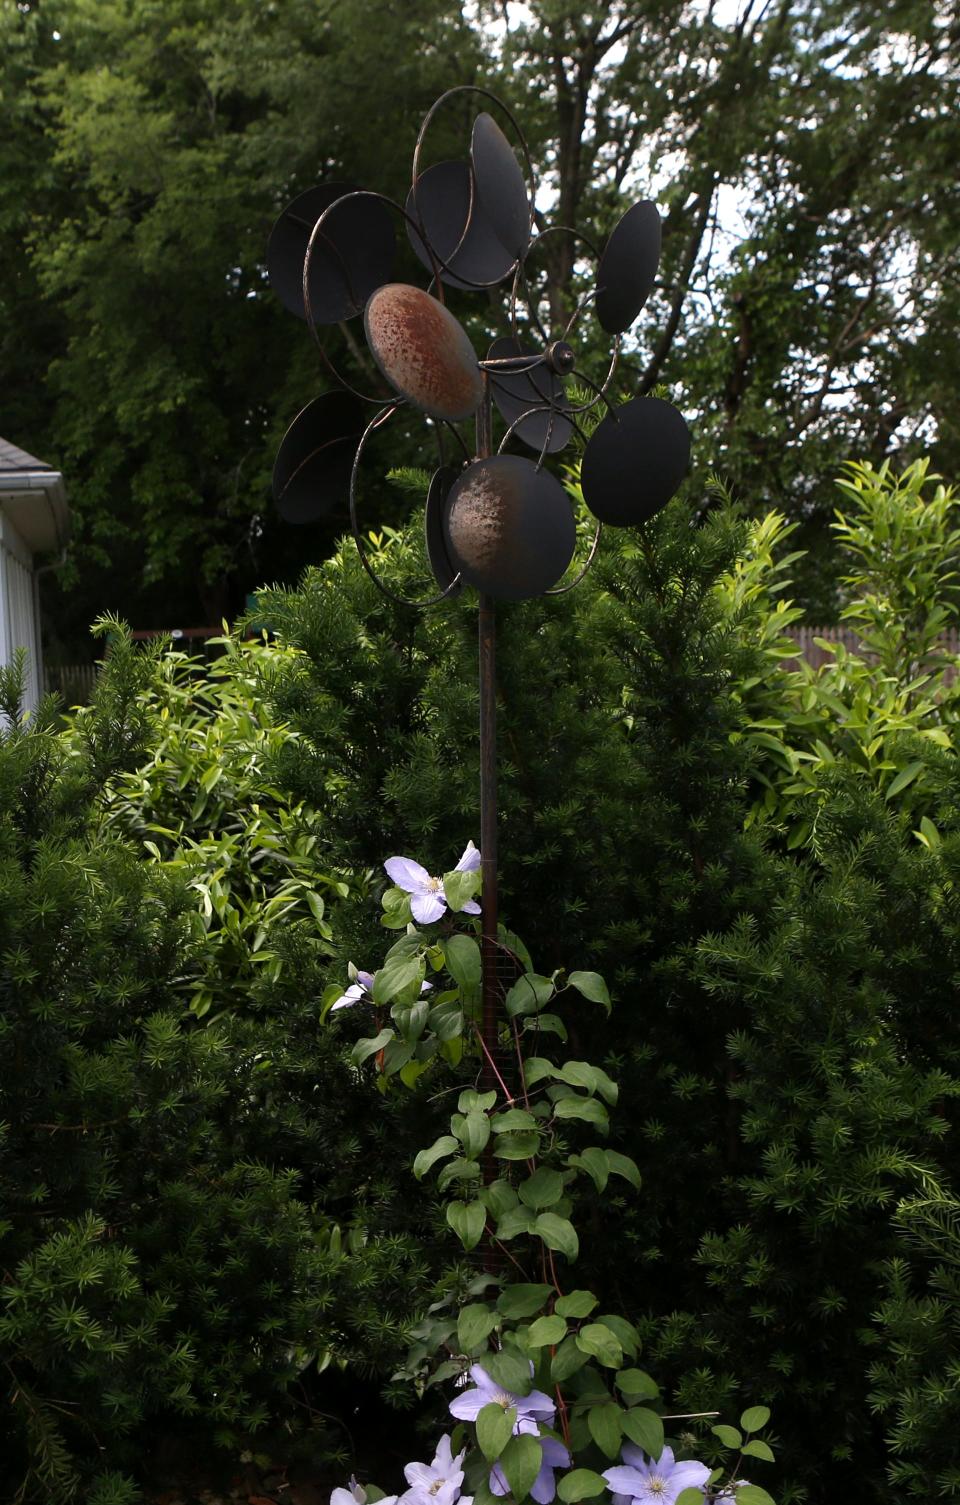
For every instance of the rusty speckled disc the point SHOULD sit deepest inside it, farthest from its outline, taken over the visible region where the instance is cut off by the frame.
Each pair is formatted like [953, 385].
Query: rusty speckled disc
[423, 351]
[635, 460]
[311, 474]
[509, 528]
[628, 267]
[501, 186]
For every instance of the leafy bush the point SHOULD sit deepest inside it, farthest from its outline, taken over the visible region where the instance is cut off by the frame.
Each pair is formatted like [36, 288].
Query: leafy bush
[165, 1261]
[783, 1032]
[201, 804]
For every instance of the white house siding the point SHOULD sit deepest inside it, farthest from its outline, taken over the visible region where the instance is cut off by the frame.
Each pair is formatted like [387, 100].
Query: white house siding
[18, 618]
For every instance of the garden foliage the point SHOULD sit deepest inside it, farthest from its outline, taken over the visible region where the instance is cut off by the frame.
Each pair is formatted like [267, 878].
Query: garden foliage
[200, 1203]
[168, 1262]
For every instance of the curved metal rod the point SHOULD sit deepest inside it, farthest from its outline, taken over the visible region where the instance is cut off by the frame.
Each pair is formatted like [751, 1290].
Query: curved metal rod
[387, 412]
[461, 277]
[542, 407]
[330, 244]
[561, 590]
[585, 407]
[519, 276]
[531, 248]
[495, 98]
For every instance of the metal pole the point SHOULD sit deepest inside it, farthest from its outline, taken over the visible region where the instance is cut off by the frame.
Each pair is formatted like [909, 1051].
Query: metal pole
[487, 640]
[488, 833]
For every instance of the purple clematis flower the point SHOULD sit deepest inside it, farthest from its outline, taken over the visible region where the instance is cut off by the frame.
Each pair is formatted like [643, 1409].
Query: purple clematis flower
[355, 1494]
[427, 898]
[436, 1483]
[543, 1488]
[363, 988]
[354, 993]
[531, 1409]
[644, 1482]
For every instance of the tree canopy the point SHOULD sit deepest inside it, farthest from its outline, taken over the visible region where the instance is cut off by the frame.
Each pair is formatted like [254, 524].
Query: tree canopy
[800, 154]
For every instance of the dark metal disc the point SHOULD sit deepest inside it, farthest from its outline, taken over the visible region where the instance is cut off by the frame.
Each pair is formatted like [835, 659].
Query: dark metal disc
[516, 391]
[635, 461]
[352, 257]
[440, 486]
[423, 351]
[441, 203]
[501, 186]
[628, 267]
[311, 474]
[509, 528]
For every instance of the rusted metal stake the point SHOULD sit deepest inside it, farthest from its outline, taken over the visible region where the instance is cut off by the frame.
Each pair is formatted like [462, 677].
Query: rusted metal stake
[487, 638]
[488, 832]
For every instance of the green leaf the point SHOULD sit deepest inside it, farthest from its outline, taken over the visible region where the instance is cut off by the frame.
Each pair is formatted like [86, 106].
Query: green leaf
[605, 1428]
[576, 1304]
[494, 1429]
[474, 1132]
[463, 963]
[622, 1165]
[550, 1024]
[467, 1219]
[729, 1436]
[522, 1300]
[546, 1331]
[645, 1428]
[520, 1462]
[470, 1099]
[512, 1119]
[624, 1331]
[541, 1189]
[601, 1343]
[691, 1496]
[536, 1069]
[594, 1162]
[590, 1078]
[902, 779]
[500, 1198]
[522, 1146]
[754, 1418]
[636, 1382]
[509, 1370]
[566, 1361]
[558, 1233]
[582, 1484]
[757, 1448]
[591, 985]
[396, 976]
[528, 994]
[515, 1220]
[474, 1325]
[364, 1049]
[587, 1108]
[752, 1494]
[459, 888]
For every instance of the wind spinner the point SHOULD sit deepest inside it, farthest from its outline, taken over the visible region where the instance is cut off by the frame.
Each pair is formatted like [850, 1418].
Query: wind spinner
[494, 519]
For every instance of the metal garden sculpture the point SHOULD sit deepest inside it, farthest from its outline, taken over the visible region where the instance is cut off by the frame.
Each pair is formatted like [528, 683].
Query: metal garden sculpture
[495, 520]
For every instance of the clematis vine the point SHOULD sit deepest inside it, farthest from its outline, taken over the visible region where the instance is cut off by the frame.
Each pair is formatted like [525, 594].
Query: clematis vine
[362, 990]
[439, 1482]
[355, 1494]
[531, 1409]
[642, 1481]
[427, 898]
[543, 1489]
